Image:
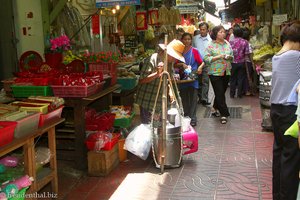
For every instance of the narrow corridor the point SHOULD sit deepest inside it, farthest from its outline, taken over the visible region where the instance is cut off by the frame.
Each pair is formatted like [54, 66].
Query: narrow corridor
[234, 161]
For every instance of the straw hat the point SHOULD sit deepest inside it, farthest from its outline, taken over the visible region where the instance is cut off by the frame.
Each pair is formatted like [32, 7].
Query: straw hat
[175, 49]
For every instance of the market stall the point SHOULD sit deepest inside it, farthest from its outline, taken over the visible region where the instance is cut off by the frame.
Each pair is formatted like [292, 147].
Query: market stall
[84, 70]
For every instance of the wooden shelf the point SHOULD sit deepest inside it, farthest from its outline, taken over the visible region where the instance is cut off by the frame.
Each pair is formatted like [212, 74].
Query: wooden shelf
[47, 175]
[79, 106]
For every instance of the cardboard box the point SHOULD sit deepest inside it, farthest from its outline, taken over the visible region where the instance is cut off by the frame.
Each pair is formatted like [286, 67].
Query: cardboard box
[101, 163]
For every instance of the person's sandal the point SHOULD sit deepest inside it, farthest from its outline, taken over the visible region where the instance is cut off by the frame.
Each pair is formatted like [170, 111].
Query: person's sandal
[223, 120]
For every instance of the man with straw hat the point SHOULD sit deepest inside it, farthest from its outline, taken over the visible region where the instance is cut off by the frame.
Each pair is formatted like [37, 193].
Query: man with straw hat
[151, 71]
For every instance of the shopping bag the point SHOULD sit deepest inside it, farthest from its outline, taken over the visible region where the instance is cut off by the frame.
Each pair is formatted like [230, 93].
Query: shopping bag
[293, 130]
[139, 141]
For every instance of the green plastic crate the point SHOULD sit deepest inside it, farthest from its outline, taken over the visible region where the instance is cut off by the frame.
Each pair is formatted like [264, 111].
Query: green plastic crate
[30, 90]
[124, 122]
[127, 83]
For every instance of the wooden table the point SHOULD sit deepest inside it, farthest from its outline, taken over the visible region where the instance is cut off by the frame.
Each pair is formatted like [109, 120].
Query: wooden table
[79, 105]
[46, 175]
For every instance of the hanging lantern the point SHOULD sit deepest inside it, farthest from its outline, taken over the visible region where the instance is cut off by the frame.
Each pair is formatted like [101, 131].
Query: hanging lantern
[141, 20]
[153, 16]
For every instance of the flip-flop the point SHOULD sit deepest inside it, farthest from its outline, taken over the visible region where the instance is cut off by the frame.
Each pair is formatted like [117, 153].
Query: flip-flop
[223, 120]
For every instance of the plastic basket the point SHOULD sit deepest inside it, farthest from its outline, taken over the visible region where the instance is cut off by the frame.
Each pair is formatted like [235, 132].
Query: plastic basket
[32, 107]
[108, 146]
[104, 67]
[127, 83]
[7, 132]
[30, 90]
[74, 91]
[44, 118]
[124, 122]
[25, 124]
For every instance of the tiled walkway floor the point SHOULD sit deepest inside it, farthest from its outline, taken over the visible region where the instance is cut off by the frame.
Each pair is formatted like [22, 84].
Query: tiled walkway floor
[233, 162]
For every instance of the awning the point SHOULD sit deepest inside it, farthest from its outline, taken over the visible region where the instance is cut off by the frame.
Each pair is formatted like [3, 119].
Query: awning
[238, 9]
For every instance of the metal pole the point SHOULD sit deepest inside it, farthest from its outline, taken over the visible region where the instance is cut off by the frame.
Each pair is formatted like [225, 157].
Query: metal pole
[164, 107]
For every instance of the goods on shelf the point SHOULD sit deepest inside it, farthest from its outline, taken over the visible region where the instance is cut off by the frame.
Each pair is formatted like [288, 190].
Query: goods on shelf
[4, 108]
[31, 107]
[9, 161]
[146, 54]
[54, 102]
[127, 80]
[12, 188]
[78, 84]
[264, 51]
[124, 116]
[99, 121]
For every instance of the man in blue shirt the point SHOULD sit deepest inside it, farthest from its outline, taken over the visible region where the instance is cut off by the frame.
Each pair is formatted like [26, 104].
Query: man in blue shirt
[200, 42]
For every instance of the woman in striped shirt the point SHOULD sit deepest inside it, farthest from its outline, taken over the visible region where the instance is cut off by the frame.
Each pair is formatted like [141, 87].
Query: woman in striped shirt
[286, 154]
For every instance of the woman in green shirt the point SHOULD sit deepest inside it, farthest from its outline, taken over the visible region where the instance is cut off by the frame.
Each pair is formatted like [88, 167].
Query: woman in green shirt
[218, 56]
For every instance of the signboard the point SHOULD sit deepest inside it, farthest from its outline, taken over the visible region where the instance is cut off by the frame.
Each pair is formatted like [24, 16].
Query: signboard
[279, 19]
[186, 2]
[130, 41]
[110, 3]
[187, 9]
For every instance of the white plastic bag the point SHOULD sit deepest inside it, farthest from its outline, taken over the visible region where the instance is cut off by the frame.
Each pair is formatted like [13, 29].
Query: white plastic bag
[184, 121]
[139, 141]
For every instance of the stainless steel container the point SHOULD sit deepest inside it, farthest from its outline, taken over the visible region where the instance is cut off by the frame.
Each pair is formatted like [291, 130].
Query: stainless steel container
[173, 151]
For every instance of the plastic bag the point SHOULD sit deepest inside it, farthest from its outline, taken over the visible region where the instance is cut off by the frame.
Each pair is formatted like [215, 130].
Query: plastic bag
[96, 141]
[139, 141]
[184, 121]
[42, 155]
[293, 130]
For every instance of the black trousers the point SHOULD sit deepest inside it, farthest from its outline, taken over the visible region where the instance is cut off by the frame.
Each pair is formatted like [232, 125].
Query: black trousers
[238, 75]
[189, 102]
[286, 154]
[220, 84]
[203, 79]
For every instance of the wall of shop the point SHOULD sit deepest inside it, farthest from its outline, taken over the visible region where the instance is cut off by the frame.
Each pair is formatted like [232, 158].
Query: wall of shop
[29, 26]
[7, 48]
